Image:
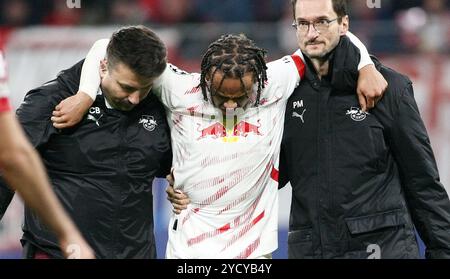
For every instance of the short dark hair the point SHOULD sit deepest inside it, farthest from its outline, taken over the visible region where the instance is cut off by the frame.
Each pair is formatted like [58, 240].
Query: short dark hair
[339, 7]
[234, 55]
[140, 49]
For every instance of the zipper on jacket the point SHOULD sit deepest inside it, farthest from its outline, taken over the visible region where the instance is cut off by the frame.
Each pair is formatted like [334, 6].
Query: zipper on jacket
[121, 180]
[318, 187]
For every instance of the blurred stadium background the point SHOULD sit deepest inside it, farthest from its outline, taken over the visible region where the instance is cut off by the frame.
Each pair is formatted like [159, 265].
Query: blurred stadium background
[40, 38]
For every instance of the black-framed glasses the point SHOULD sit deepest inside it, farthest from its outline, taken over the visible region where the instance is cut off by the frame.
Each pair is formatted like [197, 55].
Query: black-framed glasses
[320, 25]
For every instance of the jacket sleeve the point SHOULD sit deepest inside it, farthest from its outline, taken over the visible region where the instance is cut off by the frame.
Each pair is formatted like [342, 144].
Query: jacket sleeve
[426, 197]
[35, 111]
[37, 107]
[34, 115]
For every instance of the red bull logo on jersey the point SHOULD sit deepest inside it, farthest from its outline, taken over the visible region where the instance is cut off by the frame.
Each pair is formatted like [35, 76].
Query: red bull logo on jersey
[218, 130]
[243, 129]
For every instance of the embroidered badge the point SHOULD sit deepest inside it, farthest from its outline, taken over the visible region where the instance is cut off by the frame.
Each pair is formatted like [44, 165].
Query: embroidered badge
[357, 114]
[148, 122]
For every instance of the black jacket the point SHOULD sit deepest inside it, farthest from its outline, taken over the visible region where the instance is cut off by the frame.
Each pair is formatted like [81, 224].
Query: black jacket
[101, 170]
[360, 181]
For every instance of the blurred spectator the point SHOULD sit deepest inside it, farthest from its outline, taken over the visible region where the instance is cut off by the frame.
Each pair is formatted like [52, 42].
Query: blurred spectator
[359, 10]
[15, 12]
[151, 9]
[95, 12]
[225, 10]
[60, 14]
[373, 25]
[435, 34]
[426, 28]
[269, 10]
[126, 12]
[418, 25]
[403, 5]
[167, 11]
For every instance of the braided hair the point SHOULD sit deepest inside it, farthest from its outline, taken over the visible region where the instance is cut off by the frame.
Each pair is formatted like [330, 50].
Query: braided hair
[234, 56]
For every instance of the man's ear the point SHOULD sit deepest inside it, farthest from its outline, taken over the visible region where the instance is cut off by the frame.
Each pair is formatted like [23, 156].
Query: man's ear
[344, 25]
[103, 67]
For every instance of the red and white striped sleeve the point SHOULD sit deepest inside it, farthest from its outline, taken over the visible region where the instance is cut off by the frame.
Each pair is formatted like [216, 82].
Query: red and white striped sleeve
[285, 74]
[4, 91]
[299, 63]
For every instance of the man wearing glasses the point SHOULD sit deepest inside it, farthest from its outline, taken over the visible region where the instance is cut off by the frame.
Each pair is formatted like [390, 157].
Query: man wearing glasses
[226, 128]
[361, 181]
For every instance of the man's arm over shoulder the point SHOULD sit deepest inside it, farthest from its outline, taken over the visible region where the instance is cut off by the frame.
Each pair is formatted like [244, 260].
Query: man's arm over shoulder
[425, 195]
[177, 88]
[90, 74]
[285, 74]
[71, 110]
[355, 60]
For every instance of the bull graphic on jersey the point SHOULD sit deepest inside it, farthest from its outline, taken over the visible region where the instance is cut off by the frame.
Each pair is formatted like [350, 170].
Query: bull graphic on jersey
[243, 128]
[218, 130]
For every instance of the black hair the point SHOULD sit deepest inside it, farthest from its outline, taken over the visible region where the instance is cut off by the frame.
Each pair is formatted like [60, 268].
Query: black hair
[140, 49]
[339, 7]
[234, 56]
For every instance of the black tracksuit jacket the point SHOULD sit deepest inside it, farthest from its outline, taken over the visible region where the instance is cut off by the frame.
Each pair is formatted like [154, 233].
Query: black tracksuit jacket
[360, 182]
[101, 170]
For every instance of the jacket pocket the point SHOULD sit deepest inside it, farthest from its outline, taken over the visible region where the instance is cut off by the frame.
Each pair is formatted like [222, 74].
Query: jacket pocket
[385, 235]
[300, 244]
[301, 235]
[374, 222]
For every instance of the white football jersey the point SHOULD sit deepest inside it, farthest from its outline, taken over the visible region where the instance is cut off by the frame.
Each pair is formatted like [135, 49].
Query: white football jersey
[4, 91]
[227, 165]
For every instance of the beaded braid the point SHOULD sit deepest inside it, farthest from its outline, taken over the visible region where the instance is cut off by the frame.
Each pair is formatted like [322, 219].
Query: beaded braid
[234, 56]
